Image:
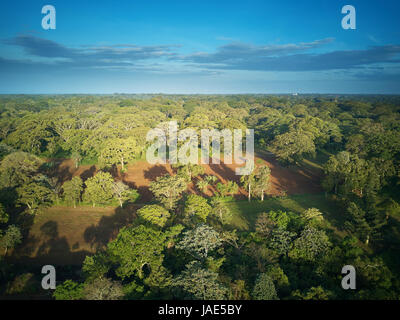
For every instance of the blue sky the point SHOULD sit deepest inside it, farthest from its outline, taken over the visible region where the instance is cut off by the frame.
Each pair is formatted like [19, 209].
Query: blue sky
[199, 47]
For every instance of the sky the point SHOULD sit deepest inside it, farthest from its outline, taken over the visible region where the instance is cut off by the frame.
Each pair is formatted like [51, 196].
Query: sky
[200, 47]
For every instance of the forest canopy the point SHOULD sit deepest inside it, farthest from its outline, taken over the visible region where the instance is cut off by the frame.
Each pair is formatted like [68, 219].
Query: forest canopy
[182, 243]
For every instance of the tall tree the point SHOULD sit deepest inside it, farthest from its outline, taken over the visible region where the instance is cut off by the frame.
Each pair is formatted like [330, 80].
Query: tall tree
[136, 247]
[262, 183]
[199, 242]
[228, 188]
[197, 208]
[200, 283]
[119, 151]
[167, 189]
[311, 244]
[264, 225]
[77, 157]
[32, 134]
[312, 215]
[220, 209]
[102, 289]
[154, 214]
[281, 240]
[18, 168]
[72, 190]
[264, 288]
[34, 195]
[120, 192]
[293, 145]
[248, 182]
[189, 171]
[357, 222]
[11, 238]
[336, 170]
[69, 290]
[99, 188]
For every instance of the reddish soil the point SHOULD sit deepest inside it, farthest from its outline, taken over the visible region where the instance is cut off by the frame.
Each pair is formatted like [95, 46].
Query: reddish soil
[292, 180]
[66, 235]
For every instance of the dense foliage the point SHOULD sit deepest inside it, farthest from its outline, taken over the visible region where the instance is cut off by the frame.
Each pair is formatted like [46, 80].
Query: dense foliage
[181, 245]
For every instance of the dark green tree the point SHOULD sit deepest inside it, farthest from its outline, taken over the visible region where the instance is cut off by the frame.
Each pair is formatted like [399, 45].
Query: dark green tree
[264, 288]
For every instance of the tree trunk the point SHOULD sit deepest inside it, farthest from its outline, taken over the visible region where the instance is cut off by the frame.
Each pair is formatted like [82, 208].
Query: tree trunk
[30, 208]
[249, 192]
[122, 163]
[262, 195]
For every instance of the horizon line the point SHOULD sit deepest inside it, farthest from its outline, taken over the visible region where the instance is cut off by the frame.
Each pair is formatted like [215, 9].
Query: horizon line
[211, 94]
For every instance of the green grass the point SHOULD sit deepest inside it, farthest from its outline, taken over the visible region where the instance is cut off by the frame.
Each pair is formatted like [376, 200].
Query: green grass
[89, 161]
[113, 203]
[95, 161]
[244, 213]
[316, 162]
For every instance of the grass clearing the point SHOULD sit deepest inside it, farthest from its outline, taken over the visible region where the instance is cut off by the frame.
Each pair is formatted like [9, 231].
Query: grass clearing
[317, 162]
[245, 213]
[65, 235]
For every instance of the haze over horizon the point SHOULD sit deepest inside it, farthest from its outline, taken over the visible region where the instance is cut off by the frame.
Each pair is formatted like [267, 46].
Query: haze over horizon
[177, 47]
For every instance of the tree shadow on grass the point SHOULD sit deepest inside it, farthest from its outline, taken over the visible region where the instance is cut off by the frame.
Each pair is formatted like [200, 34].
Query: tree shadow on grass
[88, 173]
[246, 213]
[51, 249]
[108, 227]
[55, 168]
[331, 211]
[50, 229]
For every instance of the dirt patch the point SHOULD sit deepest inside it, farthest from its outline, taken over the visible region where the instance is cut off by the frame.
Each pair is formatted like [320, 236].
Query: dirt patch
[64, 235]
[292, 180]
